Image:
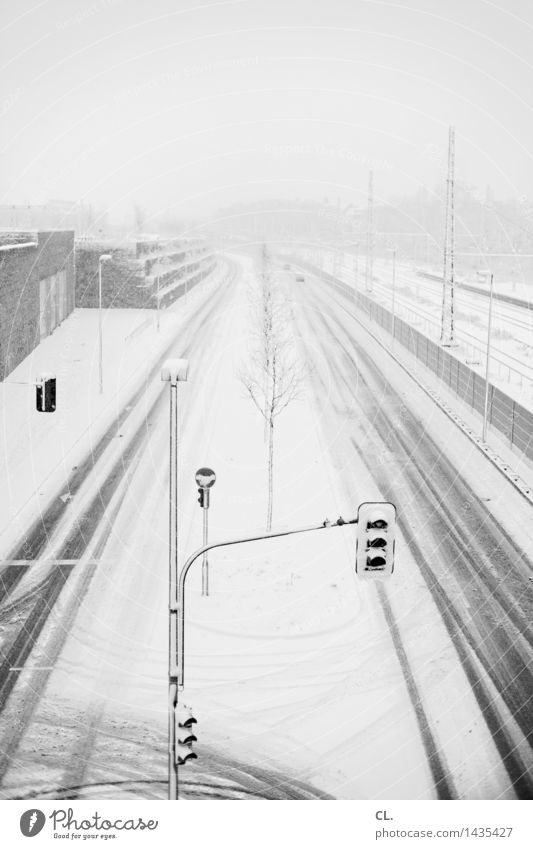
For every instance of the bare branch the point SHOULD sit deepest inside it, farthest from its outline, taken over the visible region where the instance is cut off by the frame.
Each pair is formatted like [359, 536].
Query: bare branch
[272, 376]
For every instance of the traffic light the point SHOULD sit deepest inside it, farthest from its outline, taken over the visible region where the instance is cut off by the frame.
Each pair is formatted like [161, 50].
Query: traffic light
[201, 499]
[184, 736]
[45, 397]
[376, 523]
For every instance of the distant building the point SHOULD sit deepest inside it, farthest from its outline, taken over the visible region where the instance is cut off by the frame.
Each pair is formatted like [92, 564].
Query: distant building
[52, 215]
[36, 290]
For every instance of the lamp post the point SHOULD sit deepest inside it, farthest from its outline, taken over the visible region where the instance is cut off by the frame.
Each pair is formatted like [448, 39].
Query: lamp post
[103, 258]
[173, 371]
[165, 262]
[487, 365]
[158, 276]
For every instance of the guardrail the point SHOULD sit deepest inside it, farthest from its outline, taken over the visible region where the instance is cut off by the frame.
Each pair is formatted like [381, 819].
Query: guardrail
[497, 296]
[504, 414]
[476, 351]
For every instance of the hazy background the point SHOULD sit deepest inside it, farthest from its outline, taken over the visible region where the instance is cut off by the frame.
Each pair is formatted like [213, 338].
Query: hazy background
[189, 106]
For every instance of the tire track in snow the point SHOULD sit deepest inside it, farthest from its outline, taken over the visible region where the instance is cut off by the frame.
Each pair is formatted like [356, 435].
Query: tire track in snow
[444, 784]
[517, 695]
[39, 534]
[16, 653]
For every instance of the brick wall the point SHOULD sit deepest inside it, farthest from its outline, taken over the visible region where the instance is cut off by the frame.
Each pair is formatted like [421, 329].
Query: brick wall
[22, 267]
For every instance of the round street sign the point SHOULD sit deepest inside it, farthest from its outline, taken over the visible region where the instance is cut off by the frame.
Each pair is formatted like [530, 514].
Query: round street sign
[205, 478]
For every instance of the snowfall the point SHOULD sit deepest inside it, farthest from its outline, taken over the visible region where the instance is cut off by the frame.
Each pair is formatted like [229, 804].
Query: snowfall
[289, 663]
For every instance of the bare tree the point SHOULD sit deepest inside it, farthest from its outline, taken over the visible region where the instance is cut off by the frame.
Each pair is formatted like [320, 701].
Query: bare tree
[273, 375]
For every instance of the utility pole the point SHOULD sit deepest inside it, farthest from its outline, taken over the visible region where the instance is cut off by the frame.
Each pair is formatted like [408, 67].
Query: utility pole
[369, 269]
[448, 276]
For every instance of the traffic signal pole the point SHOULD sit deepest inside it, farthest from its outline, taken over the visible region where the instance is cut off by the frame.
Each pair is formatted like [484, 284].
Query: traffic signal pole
[177, 641]
[180, 605]
[377, 525]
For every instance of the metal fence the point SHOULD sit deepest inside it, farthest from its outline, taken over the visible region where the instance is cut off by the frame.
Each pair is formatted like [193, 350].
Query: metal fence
[504, 414]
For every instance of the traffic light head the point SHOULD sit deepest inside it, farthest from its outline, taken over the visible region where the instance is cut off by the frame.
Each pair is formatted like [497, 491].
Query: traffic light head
[45, 397]
[201, 496]
[185, 737]
[376, 524]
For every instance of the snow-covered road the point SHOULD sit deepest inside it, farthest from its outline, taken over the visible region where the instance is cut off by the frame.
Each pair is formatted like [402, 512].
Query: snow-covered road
[477, 574]
[305, 681]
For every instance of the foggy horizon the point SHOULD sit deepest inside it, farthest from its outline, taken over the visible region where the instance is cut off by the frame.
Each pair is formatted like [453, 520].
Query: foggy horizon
[266, 394]
[189, 110]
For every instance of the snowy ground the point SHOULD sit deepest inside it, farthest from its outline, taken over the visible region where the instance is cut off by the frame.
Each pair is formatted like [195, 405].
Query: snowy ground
[37, 450]
[291, 663]
[418, 301]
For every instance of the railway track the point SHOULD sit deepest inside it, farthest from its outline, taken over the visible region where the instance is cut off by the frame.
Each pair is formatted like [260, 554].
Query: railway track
[468, 339]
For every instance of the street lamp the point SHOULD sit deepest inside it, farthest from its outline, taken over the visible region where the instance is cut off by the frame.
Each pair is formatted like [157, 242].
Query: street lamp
[393, 305]
[162, 261]
[103, 258]
[205, 478]
[158, 277]
[173, 371]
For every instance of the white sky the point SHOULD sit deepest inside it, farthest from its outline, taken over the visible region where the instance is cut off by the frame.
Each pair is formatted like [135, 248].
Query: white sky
[193, 105]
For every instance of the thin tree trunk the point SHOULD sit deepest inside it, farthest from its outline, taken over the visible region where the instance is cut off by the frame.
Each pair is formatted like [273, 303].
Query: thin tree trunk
[265, 411]
[270, 474]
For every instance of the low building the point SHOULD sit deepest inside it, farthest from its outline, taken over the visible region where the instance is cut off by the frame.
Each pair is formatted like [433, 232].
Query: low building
[139, 273]
[36, 290]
